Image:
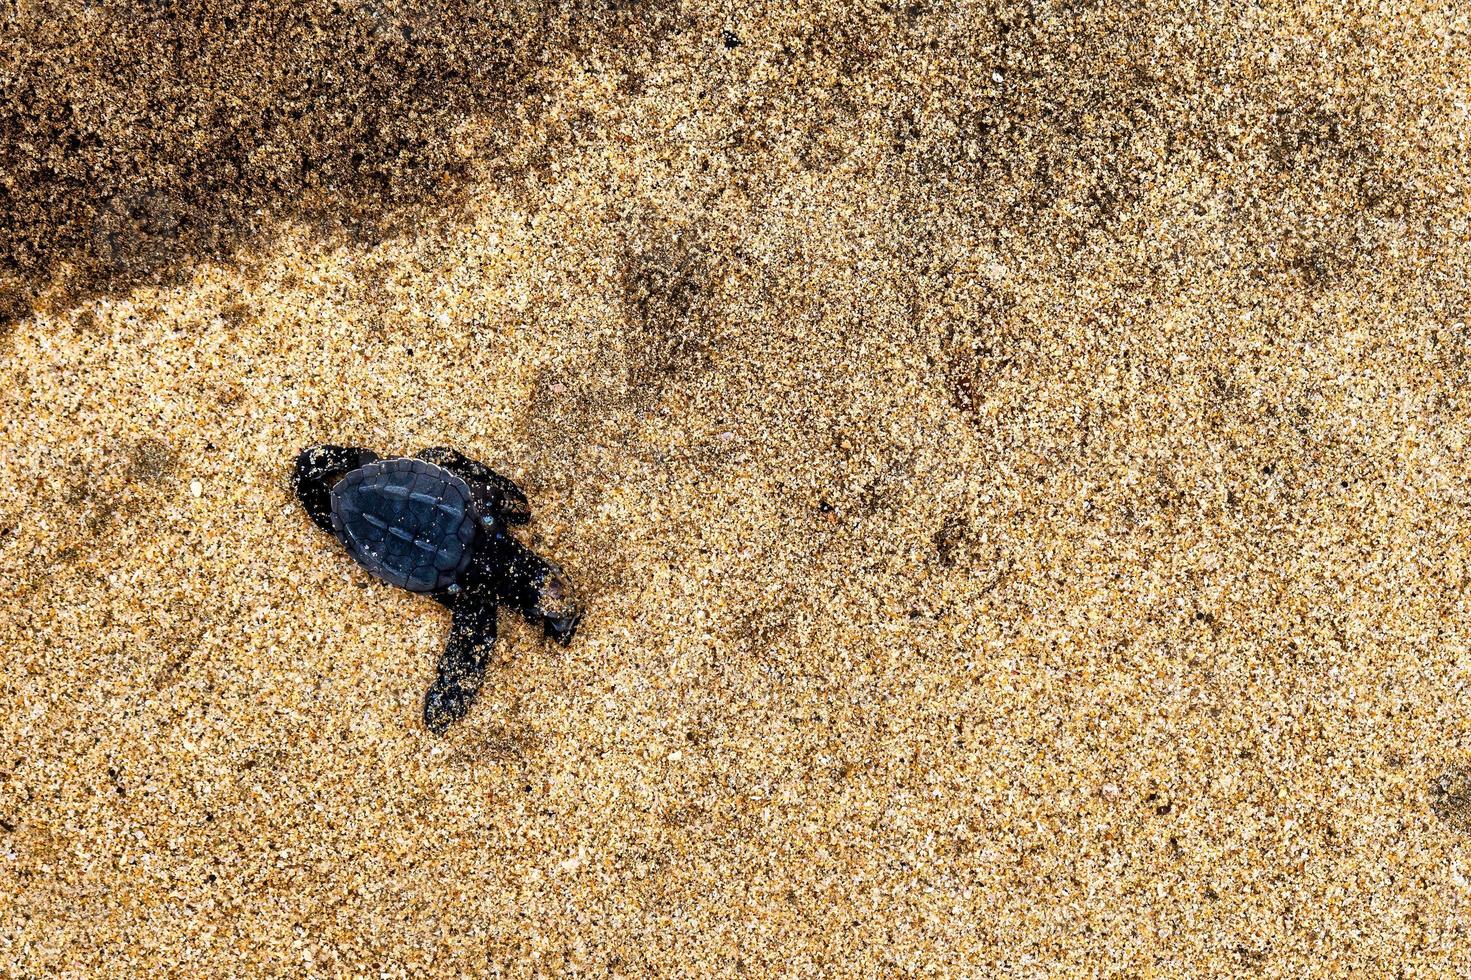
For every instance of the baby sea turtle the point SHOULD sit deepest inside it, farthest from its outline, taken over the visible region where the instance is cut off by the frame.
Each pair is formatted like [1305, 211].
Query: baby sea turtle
[437, 523]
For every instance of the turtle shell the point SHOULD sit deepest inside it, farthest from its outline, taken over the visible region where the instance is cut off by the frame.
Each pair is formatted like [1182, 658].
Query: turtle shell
[409, 522]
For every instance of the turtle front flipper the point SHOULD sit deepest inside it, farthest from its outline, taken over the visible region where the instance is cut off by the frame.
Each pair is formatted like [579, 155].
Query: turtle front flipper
[536, 588]
[316, 469]
[462, 665]
[498, 495]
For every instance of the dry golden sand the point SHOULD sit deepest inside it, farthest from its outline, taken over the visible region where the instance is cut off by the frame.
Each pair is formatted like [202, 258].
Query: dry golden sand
[1015, 457]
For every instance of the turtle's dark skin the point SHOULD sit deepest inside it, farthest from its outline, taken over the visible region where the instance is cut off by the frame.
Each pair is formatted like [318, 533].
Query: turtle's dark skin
[437, 523]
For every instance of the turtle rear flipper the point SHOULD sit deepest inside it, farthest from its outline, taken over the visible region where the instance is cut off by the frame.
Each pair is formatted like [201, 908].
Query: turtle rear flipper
[462, 665]
[317, 469]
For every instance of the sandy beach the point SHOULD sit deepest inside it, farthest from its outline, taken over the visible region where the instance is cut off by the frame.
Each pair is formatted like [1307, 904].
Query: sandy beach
[1014, 457]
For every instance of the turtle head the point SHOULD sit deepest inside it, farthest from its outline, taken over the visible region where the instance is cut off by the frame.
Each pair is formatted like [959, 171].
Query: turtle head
[557, 606]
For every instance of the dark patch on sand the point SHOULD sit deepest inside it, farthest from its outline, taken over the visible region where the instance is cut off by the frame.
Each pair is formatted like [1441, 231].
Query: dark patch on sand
[977, 347]
[141, 137]
[1325, 185]
[13, 307]
[1020, 376]
[92, 506]
[671, 314]
[1054, 123]
[1450, 798]
[763, 630]
[179, 648]
[1044, 122]
[948, 540]
[499, 744]
[150, 460]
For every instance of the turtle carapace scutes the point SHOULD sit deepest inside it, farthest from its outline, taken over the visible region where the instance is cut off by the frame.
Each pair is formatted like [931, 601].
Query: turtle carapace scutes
[437, 523]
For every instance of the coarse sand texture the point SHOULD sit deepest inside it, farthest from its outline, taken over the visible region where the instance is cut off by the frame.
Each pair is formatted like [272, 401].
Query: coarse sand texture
[1015, 457]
